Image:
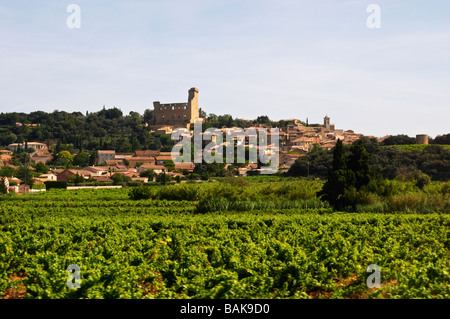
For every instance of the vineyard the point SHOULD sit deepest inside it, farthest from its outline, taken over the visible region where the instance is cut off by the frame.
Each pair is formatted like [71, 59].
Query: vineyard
[167, 247]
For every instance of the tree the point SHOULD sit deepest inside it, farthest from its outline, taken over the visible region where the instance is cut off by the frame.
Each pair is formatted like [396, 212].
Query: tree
[358, 164]
[264, 119]
[149, 173]
[225, 120]
[3, 188]
[23, 172]
[57, 148]
[315, 163]
[77, 179]
[421, 179]
[81, 159]
[334, 189]
[399, 140]
[120, 179]
[123, 145]
[170, 165]
[42, 168]
[92, 158]
[113, 113]
[442, 139]
[7, 171]
[347, 176]
[148, 116]
[162, 178]
[64, 158]
[7, 139]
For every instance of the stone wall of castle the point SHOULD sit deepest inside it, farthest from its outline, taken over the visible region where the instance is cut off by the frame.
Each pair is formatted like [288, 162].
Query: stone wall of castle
[177, 114]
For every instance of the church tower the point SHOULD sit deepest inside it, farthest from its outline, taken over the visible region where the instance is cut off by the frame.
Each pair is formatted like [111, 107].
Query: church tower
[326, 122]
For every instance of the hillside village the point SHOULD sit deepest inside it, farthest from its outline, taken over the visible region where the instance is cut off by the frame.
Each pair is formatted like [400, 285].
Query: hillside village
[295, 140]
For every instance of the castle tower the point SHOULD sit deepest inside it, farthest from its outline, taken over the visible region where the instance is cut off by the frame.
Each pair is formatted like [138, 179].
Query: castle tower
[422, 139]
[193, 103]
[177, 114]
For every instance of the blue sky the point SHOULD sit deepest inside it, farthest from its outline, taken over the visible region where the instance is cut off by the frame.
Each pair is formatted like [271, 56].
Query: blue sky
[283, 58]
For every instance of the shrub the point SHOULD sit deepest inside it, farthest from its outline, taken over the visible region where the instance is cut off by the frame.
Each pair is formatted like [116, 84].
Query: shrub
[445, 189]
[420, 203]
[421, 179]
[222, 205]
[141, 192]
[180, 192]
[212, 205]
[55, 184]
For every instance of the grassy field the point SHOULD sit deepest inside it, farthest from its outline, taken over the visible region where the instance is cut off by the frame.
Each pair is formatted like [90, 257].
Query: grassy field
[165, 248]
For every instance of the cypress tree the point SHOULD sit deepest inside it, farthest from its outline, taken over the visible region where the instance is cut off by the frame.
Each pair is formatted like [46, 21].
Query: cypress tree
[3, 189]
[334, 189]
[347, 175]
[358, 163]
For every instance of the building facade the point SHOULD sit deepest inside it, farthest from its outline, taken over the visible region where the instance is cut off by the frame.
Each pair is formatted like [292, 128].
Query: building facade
[37, 146]
[177, 114]
[105, 155]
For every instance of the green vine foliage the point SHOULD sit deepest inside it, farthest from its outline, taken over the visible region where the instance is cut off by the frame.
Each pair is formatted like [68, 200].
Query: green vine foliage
[164, 249]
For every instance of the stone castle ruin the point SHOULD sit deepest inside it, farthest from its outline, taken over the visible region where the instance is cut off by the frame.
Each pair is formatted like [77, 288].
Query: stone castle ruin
[177, 114]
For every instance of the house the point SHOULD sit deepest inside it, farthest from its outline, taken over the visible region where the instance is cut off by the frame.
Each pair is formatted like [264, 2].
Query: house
[147, 153]
[97, 170]
[128, 174]
[41, 156]
[121, 157]
[185, 167]
[113, 162]
[304, 143]
[158, 169]
[56, 171]
[328, 145]
[102, 178]
[106, 155]
[162, 158]
[242, 171]
[37, 146]
[119, 168]
[141, 179]
[23, 189]
[62, 177]
[174, 174]
[15, 180]
[140, 159]
[47, 177]
[286, 160]
[8, 152]
[5, 157]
